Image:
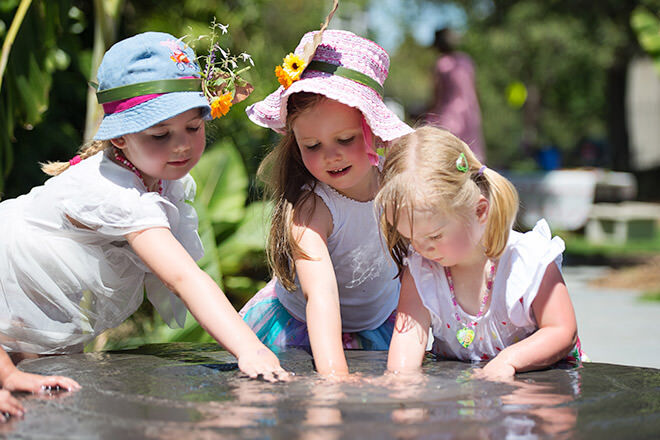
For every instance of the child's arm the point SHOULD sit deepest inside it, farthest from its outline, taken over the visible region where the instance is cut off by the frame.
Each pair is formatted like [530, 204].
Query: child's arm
[319, 285]
[553, 340]
[166, 258]
[411, 330]
[13, 379]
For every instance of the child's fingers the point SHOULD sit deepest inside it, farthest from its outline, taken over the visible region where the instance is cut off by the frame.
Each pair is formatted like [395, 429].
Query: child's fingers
[35, 383]
[9, 406]
[269, 375]
[282, 375]
[279, 375]
[50, 383]
[493, 375]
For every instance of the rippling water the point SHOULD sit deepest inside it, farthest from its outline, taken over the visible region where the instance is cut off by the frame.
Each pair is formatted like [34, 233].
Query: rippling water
[195, 391]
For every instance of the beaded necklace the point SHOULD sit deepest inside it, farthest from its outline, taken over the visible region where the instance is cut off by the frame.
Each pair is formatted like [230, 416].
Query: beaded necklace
[465, 334]
[119, 156]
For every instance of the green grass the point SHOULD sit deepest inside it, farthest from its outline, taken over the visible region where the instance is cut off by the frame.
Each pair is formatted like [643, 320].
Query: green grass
[578, 244]
[650, 296]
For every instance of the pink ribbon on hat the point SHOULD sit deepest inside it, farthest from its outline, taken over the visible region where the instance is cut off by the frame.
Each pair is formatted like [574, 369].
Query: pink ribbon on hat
[124, 104]
[369, 143]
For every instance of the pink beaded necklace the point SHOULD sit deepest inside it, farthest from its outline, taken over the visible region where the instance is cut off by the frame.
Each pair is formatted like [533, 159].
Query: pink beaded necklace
[465, 334]
[119, 156]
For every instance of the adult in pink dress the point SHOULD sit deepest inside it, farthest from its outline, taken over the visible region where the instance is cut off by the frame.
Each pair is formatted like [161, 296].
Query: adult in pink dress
[455, 105]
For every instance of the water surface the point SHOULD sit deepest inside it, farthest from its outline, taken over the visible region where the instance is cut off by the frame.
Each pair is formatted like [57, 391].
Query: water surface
[185, 390]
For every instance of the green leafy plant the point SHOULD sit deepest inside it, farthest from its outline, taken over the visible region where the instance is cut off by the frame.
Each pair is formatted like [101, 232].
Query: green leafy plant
[647, 28]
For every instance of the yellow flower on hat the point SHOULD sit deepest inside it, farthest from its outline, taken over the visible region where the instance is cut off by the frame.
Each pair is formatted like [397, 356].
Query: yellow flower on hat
[294, 66]
[290, 70]
[221, 105]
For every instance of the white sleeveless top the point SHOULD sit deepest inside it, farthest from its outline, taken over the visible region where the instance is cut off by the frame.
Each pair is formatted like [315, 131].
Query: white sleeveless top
[61, 285]
[509, 318]
[365, 272]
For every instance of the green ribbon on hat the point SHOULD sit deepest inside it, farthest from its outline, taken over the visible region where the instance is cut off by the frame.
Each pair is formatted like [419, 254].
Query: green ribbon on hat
[345, 72]
[148, 88]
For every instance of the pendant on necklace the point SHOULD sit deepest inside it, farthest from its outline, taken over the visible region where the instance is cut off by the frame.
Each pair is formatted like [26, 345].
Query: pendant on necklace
[465, 336]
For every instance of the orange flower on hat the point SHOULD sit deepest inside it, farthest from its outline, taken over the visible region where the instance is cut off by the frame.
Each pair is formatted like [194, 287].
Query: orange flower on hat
[221, 105]
[290, 70]
[282, 77]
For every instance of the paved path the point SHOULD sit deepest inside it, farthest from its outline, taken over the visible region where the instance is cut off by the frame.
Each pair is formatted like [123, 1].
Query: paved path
[614, 325]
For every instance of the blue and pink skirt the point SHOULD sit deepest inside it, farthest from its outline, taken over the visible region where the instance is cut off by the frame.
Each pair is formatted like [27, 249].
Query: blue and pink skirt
[279, 330]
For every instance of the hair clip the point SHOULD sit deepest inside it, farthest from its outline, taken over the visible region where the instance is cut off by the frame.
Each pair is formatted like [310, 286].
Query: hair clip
[481, 170]
[462, 163]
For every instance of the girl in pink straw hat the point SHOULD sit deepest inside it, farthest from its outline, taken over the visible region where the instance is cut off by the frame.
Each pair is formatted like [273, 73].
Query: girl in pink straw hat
[334, 285]
[78, 253]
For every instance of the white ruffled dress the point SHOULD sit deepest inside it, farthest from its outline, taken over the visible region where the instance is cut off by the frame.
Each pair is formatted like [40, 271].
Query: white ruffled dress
[509, 318]
[62, 285]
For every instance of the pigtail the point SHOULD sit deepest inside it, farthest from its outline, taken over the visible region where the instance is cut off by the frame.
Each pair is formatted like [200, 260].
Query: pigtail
[87, 150]
[503, 199]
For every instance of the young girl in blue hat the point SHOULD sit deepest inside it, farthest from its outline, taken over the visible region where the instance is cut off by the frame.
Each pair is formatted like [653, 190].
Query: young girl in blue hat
[487, 292]
[78, 253]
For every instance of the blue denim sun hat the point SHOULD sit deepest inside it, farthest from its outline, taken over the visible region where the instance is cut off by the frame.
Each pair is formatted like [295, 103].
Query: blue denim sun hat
[144, 80]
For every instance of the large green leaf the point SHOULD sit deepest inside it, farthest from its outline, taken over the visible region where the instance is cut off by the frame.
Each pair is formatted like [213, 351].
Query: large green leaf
[222, 183]
[210, 262]
[249, 237]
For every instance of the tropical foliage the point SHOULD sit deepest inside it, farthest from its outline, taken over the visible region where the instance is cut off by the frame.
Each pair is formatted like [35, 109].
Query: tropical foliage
[548, 73]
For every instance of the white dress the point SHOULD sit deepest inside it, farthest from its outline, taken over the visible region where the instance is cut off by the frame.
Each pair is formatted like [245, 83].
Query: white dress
[62, 285]
[509, 318]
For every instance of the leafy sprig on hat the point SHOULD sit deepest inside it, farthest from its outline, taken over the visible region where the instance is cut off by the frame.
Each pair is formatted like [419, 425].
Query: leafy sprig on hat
[221, 81]
[293, 66]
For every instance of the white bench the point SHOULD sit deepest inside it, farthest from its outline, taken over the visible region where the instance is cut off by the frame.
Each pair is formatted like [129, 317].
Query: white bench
[620, 222]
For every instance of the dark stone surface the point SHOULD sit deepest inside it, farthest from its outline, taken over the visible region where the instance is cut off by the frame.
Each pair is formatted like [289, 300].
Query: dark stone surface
[177, 391]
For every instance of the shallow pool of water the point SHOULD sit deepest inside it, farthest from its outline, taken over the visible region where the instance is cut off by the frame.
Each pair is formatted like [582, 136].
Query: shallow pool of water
[196, 391]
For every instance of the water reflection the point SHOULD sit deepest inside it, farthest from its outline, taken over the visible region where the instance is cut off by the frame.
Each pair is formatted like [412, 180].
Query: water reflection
[186, 392]
[543, 408]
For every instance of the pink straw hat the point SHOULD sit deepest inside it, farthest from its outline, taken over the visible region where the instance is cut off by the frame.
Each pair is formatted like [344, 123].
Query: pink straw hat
[360, 62]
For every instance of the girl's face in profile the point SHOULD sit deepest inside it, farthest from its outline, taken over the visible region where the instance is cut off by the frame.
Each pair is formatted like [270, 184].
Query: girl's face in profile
[168, 150]
[330, 140]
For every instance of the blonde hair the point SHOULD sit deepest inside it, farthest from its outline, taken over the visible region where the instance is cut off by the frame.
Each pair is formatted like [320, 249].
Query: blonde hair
[285, 174]
[87, 150]
[421, 172]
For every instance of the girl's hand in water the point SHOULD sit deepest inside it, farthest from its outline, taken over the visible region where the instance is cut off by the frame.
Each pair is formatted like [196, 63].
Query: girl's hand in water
[9, 406]
[18, 380]
[497, 371]
[334, 377]
[262, 364]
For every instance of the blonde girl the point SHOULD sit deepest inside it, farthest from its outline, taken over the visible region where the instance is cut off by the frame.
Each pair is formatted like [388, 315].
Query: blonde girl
[488, 293]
